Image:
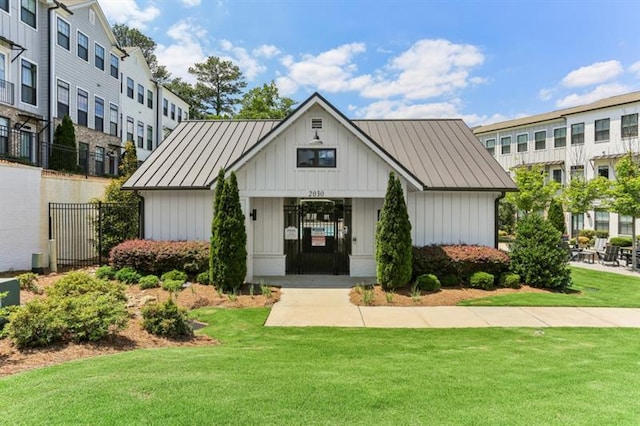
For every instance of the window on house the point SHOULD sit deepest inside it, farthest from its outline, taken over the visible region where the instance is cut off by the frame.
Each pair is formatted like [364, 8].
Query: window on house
[577, 134]
[323, 157]
[28, 12]
[28, 83]
[149, 138]
[83, 107]
[602, 130]
[3, 67]
[83, 157]
[556, 174]
[99, 161]
[560, 137]
[505, 145]
[112, 155]
[99, 57]
[629, 125]
[113, 120]
[540, 140]
[173, 112]
[601, 222]
[179, 115]
[603, 171]
[491, 146]
[4, 136]
[523, 142]
[64, 31]
[140, 135]
[165, 107]
[114, 65]
[130, 129]
[26, 150]
[141, 94]
[83, 46]
[577, 172]
[63, 99]
[577, 223]
[149, 99]
[129, 87]
[99, 115]
[625, 225]
[4, 5]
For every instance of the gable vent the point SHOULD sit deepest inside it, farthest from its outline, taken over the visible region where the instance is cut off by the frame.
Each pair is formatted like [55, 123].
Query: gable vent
[92, 17]
[317, 124]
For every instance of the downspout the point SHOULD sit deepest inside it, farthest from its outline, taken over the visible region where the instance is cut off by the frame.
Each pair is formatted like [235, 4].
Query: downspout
[140, 214]
[495, 217]
[158, 106]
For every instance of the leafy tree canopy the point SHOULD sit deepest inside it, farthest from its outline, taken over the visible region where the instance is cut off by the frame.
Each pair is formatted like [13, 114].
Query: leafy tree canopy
[219, 84]
[579, 195]
[265, 103]
[189, 94]
[533, 193]
[131, 37]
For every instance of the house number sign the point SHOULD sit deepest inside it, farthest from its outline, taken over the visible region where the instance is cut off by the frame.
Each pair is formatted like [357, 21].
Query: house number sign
[316, 193]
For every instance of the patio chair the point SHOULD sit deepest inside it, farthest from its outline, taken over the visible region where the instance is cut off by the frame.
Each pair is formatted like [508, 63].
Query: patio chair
[611, 255]
[600, 246]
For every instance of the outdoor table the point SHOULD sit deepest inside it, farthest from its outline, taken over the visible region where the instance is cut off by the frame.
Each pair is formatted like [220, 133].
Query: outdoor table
[589, 255]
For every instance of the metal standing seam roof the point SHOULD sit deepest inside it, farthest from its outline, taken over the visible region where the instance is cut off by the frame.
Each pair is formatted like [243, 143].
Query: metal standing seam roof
[559, 114]
[440, 154]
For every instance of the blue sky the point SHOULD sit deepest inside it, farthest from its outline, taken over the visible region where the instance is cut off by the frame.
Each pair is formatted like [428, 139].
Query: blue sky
[482, 61]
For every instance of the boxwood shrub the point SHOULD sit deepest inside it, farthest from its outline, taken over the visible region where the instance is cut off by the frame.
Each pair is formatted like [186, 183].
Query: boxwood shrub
[510, 280]
[621, 241]
[149, 281]
[481, 280]
[158, 257]
[428, 282]
[128, 275]
[166, 320]
[174, 275]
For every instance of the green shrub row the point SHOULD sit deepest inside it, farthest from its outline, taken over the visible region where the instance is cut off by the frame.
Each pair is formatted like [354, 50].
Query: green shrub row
[158, 257]
[621, 241]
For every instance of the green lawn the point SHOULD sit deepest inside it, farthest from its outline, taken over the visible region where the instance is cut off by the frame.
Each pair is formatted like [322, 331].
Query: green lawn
[344, 376]
[592, 288]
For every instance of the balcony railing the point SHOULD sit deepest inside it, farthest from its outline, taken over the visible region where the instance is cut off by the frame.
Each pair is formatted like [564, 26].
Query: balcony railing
[6, 92]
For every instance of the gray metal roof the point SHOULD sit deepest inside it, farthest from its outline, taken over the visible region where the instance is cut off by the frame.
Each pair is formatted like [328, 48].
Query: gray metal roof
[439, 154]
[442, 154]
[559, 114]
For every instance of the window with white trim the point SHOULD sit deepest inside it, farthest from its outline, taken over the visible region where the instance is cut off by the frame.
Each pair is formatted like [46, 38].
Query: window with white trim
[523, 142]
[505, 145]
[130, 85]
[28, 12]
[4, 5]
[114, 65]
[602, 130]
[98, 119]
[113, 120]
[560, 137]
[140, 94]
[629, 125]
[577, 134]
[140, 134]
[603, 171]
[540, 140]
[83, 107]
[149, 99]
[130, 129]
[625, 225]
[173, 111]
[28, 83]
[491, 146]
[601, 222]
[83, 46]
[99, 57]
[63, 98]
[64, 33]
[149, 138]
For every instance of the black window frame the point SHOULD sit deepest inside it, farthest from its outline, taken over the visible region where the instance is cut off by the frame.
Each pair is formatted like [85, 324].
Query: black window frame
[140, 134]
[83, 115]
[149, 137]
[165, 107]
[114, 69]
[130, 125]
[29, 16]
[577, 138]
[625, 227]
[99, 154]
[83, 156]
[149, 99]
[140, 94]
[540, 144]
[82, 51]
[629, 129]
[4, 5]
[4, 135]
[113, 125]
[504, 151]
[559, 141]
[316, 164]
[98, 60]
[522, 146]
[62, 108]
[130, 86]
[601, 135]
[492, 148]
[63, 40]
[599, 223]
[98, 120]
[173, 111]
[603, 171]
[556, 175]
[29, 90]
[179, 115]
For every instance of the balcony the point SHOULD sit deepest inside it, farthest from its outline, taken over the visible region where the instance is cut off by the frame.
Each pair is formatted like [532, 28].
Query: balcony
[6, 92]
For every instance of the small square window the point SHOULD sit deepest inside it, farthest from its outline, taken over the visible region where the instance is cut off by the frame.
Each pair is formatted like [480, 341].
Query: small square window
[314, 157]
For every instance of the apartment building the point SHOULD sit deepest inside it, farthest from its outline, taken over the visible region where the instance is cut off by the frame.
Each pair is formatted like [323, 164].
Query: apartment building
[150, 111]
[585, 140]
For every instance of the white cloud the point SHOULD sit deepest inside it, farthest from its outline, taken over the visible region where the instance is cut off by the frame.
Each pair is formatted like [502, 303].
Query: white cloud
[266, 51]
[191, 3]
[600, 92]
[128, 12]
[429, 68]
[545, 94]
[596, 73]
[185, 50]
[248, 64]
[635, 68]
[331, 71]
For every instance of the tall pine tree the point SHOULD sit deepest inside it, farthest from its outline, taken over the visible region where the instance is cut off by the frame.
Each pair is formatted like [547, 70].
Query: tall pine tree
[393, 239]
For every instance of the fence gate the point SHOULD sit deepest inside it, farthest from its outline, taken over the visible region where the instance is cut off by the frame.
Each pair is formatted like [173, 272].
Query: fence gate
[318, 240]
[86, 232]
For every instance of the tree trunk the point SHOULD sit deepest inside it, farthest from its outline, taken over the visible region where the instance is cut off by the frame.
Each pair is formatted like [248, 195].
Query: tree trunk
[634, 244]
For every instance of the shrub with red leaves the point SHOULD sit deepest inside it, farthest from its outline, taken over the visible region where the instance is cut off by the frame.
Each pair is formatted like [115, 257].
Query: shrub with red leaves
[460, 260]
[157, 257]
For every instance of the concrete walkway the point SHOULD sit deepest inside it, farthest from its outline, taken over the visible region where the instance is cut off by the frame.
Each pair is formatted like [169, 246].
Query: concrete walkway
[302, 305]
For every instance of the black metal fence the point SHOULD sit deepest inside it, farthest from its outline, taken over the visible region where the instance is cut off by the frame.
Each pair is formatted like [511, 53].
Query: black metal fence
[26, 147]
[86, 232]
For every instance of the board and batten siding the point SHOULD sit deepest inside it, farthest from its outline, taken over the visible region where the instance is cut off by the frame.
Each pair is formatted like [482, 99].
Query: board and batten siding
[272, 172]
[452, 217]
[267, 234]
[178, 215]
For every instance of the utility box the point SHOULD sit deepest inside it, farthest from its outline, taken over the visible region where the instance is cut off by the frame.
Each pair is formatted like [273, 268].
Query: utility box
[37, 263]
[12, 288]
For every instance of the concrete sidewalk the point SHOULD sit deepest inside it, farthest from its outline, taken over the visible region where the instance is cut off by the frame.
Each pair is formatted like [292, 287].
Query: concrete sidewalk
[330, 307]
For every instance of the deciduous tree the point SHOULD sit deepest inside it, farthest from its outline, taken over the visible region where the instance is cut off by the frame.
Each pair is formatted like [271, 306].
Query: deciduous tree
[265, 103]
[188, 93]
[533, 192]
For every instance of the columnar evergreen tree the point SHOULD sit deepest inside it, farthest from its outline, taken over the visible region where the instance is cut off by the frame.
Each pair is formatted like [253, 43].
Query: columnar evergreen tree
[555, 216]
[64, 153]
[213, 252]
[393, 239]
[230, 266]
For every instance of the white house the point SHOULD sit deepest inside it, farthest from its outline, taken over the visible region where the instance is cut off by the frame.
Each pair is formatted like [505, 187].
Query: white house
[312, 185]
[585, 140]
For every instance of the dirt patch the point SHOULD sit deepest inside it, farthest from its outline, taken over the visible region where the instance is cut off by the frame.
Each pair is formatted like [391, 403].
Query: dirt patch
[445, 297]
[134, 336]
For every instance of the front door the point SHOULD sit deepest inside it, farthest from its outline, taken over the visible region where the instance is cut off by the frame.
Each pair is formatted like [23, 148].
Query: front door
[317, 237]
